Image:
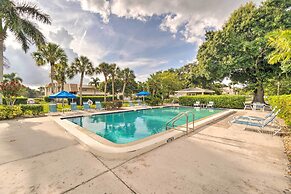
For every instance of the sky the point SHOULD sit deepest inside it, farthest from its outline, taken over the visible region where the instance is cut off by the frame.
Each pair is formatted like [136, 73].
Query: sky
[146, 36]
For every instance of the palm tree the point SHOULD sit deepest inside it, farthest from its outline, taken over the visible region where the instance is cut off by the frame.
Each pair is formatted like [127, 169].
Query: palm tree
[15, 18]
[113, 70]
[51, 54]
[83, 66]
[12, 77]
[104, 69]
[126, 75]
[61, 73]
[95, 82]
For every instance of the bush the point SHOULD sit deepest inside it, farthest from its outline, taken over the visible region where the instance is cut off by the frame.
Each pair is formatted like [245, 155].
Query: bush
[220, 101]
[84, 98]
[33, 109]
[19, 100]
[110, 105]
[171, 100]
[283, 102]
[153, 101]
[9, 112]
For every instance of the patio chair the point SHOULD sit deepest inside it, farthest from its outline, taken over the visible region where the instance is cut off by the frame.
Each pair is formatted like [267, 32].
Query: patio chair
[196, 104]
[98, 105]
[210, 104]
[260, 124]
[259, 106]
[255, 118]
[130, 103]
[86, 106]
[139, 103]
[74, 106]
[53, 108]
[248, 105]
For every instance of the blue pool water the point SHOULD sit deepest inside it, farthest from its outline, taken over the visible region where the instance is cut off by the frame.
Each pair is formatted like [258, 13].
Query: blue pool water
[130, 126]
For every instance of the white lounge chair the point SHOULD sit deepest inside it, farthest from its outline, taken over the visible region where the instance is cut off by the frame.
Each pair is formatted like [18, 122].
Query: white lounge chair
[196, 104]
[210, 104]
[259, 124]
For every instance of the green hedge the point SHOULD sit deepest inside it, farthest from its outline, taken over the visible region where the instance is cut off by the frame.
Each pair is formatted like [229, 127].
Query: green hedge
[110, 105]
[19, 100]
[220, 101]
[9, 112]
[283, 102]
[85, 99]
[33, 109]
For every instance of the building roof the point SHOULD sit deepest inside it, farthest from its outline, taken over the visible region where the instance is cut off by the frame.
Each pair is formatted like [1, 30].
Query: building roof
[195, 90]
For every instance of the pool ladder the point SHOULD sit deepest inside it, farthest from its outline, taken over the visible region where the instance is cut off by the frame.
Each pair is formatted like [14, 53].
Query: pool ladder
[179, 116]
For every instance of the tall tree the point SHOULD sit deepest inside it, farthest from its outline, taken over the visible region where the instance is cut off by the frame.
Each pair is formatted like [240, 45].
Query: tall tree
[12, 77]
[61, 73]
[281, 41]
[83, 66]
[126, 75]
[113, 70]
[105, 70]
[164, 83]
[16, 19]
[239, 50]
[51, 54]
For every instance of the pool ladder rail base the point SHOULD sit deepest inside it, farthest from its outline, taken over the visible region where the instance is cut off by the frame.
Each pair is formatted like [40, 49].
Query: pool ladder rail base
[179, 116]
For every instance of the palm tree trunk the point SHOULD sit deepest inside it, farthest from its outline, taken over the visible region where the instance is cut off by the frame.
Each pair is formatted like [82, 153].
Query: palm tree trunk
[1, 59]
[105, 89]
[113, 92]
[52, 77]
[81, 88]
[123, 89]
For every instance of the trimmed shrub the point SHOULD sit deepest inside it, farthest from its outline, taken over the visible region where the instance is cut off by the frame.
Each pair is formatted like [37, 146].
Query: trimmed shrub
[33, 109]
[93, 98]
[9, 112]
[171, 100]
[153, 101]
[111, 105]
[283, 102]
[220, 101]
[19, 100]
[85, 99]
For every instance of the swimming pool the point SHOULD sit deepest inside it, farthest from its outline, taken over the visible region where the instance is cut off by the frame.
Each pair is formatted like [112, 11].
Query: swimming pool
[129, 126]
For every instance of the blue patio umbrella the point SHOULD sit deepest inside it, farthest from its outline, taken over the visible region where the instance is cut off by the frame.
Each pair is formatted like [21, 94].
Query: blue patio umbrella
[63, 94]
[143, 94]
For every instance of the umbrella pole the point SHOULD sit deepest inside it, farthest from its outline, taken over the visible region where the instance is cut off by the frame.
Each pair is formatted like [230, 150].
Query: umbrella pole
[63, 105]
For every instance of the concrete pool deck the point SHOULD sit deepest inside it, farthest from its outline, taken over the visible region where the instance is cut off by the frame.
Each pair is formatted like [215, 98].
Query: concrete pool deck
[38, 156]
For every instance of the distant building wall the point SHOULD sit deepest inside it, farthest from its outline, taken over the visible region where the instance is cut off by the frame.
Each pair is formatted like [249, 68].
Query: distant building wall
[87, 90]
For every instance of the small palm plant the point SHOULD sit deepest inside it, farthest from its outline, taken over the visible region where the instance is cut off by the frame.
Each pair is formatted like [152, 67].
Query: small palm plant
[83, 66]
[16, 19]
[51, 54]
[95, 81]
[105, 70]
[12, 77]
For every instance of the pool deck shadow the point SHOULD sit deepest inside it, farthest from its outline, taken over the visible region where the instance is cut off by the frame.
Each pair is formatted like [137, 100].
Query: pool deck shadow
[37, 156]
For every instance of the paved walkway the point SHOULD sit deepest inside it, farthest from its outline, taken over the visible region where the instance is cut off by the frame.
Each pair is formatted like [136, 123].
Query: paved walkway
[37, 156]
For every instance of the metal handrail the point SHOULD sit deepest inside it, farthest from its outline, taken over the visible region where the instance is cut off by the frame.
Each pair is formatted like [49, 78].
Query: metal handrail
[172, 119]
[179, 116]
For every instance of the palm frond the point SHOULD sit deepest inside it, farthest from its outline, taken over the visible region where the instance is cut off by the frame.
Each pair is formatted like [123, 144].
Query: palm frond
[33, 12]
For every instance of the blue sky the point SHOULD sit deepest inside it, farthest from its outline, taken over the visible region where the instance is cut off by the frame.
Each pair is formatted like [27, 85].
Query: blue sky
[145, 36]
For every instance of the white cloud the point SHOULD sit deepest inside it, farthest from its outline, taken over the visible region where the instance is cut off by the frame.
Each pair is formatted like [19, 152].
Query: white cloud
[190, 18]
